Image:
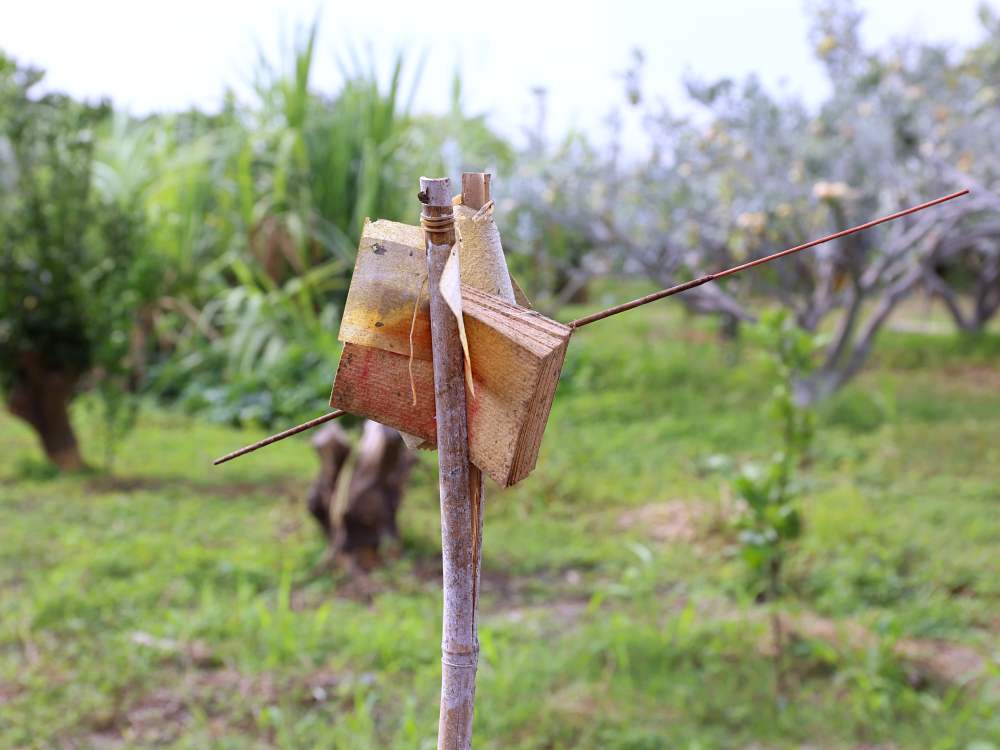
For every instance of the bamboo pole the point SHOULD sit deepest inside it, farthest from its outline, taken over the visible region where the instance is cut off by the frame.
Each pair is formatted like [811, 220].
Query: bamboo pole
[459, 647]
[476, 194]
[475, 189]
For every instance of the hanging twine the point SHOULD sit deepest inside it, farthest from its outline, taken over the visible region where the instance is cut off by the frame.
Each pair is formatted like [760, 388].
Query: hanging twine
[413, 325]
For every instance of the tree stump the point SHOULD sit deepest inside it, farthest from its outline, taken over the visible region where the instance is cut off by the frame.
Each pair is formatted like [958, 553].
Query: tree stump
[333, 448]
[356, 503]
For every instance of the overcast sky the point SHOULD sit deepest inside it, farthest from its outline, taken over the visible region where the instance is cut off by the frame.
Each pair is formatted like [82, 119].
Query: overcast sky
[169, 55]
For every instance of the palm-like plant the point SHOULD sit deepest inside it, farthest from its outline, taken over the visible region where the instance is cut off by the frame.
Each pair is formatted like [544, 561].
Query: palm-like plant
[270, 202]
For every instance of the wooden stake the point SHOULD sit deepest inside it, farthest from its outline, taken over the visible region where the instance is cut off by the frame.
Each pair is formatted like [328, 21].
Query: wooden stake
[476, 194]
[475, 189]
[459, 647]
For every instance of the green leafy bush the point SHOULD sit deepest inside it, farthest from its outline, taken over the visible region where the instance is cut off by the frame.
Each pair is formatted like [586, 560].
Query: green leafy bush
[76, 272]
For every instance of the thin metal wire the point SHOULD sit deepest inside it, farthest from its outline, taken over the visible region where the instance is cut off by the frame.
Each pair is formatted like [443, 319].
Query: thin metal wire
[280, 436]
[594, 317]
[437, 223]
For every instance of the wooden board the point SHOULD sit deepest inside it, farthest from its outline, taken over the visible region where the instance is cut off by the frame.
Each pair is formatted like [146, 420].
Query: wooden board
[517, 356]
[391, 269]
[389, 273]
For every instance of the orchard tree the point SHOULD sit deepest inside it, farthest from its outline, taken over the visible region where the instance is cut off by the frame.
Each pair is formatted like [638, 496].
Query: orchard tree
[940, 107]
[551, 210]
[749, 173]
[959, 122]
[73, 271]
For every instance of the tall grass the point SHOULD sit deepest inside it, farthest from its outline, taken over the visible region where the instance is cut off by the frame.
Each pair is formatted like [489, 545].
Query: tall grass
[261, 208]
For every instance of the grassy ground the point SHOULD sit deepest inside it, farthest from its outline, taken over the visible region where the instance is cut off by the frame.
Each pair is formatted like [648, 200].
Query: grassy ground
[177, 605]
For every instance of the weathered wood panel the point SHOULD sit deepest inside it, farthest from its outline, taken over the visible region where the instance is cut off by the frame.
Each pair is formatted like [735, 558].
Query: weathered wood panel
[517, 356]
[390, 271]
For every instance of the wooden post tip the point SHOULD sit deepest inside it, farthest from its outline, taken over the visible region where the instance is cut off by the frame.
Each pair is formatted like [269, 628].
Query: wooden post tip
[435, 191]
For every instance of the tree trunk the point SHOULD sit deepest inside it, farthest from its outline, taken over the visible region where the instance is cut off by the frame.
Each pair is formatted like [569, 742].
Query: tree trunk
[938, 287]
[987, 296]
[365, 518]
[333, 448]
[729, 327]
[374, 494]
[571, 286]
[41, 398]
[810, 390]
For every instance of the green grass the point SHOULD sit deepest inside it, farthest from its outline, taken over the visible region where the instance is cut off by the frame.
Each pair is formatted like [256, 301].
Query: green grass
[177, 605]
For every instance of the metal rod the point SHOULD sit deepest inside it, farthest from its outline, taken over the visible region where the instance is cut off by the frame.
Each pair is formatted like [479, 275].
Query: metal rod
[280, 436]
[594, 317]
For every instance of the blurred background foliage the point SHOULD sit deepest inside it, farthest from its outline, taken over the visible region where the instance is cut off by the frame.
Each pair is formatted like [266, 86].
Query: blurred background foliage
[201, 258]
